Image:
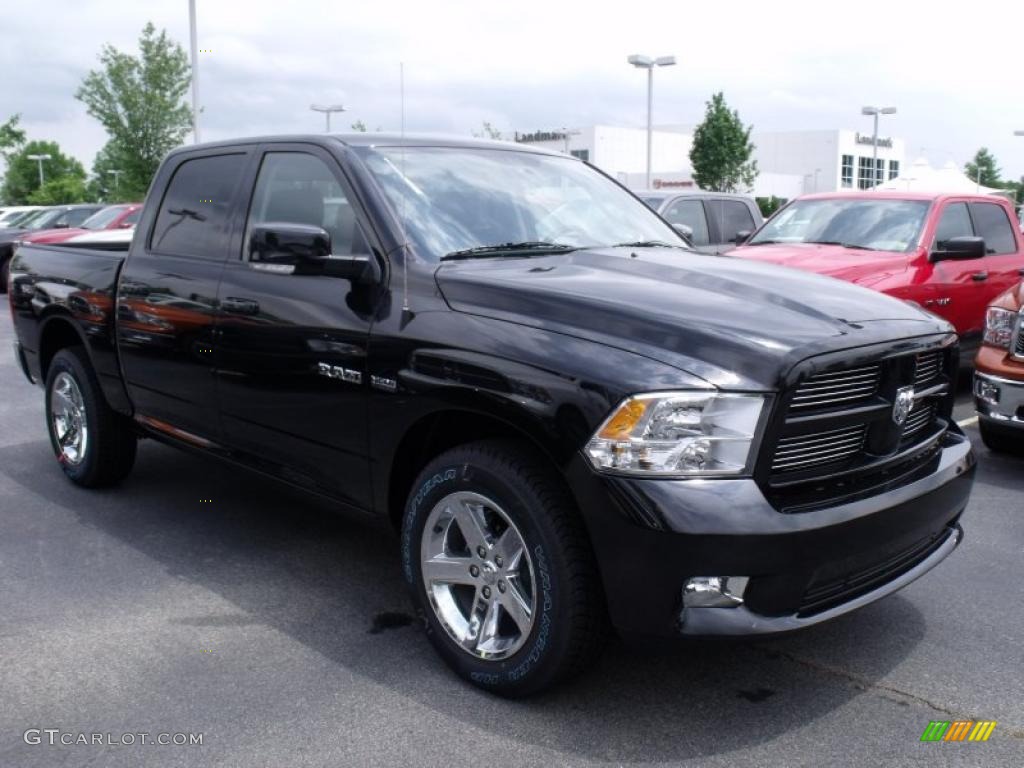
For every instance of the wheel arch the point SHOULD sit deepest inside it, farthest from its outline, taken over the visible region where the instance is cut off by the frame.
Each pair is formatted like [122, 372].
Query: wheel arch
[441, 430]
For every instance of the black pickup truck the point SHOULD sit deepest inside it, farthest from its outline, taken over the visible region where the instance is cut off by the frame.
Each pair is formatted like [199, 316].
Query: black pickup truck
[574, 421]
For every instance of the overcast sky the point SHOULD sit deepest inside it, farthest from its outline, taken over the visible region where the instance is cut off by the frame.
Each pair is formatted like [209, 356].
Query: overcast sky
[956, 75]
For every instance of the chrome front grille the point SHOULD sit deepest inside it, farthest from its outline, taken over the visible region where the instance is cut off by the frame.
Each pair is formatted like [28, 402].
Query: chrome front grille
[840, 422]
[927, 367]
[817, 448]
[837, 388]
[921, 415]
[1018, 349]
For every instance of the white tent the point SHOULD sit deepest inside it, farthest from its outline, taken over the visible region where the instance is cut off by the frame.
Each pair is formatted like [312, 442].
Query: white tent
[921, 177]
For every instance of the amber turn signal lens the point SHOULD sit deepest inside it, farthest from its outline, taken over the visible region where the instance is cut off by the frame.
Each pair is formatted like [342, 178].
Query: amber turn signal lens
[621, 425]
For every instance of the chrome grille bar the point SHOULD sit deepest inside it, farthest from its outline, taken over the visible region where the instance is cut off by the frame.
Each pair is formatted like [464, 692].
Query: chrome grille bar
[837, 387]
[817, 448]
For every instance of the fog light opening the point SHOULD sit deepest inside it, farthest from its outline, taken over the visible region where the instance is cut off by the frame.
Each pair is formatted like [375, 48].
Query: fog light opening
[987, 391]
[714, 591]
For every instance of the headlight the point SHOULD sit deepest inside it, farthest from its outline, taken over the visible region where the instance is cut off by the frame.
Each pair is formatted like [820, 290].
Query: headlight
[999, 326]
[678, 434]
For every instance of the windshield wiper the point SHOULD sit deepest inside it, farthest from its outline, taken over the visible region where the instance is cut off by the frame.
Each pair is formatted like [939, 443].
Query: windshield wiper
[537, 247]
[648, 244]
[851, 246]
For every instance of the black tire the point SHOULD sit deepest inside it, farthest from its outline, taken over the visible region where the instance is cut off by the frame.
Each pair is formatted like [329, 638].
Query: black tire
[1000, 439]
[569, 626]
[109, 453]
[5, 271]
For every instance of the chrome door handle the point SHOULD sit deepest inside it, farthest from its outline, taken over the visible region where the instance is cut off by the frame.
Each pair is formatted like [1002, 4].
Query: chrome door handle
[240, 306]
[979, 276]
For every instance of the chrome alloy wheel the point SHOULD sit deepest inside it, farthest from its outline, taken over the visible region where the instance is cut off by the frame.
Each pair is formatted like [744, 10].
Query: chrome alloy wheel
[478, 575]
[67, 412]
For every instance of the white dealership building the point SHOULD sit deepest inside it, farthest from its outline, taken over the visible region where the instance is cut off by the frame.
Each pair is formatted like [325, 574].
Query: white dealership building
[790, 163]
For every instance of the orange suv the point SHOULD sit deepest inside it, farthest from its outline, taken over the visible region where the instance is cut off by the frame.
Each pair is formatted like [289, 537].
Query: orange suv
[999, 374]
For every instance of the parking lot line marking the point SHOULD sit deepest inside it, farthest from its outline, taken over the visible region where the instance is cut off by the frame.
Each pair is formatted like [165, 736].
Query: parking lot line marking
[968, 422]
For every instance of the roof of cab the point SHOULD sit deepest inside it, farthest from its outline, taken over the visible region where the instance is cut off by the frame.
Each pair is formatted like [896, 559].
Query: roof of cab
[375, 140]
[889, 194]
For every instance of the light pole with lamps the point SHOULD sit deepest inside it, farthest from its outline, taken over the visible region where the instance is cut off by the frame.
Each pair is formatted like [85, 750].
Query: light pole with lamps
[327, 109]
[39, 159]
[649, 63]
[875, 112]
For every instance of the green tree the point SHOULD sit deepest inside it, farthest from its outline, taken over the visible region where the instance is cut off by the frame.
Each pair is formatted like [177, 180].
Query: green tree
[720, 155]
[22, 178]
[359, 126]
[1017, 188]
[66, 189]
[140, 102]
[983, 169]
[769, 205]
[109, 187]
[11, 140]
[11, 136]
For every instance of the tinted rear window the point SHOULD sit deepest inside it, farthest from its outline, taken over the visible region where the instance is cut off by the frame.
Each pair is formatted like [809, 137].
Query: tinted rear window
[992, 223]
[193, 216]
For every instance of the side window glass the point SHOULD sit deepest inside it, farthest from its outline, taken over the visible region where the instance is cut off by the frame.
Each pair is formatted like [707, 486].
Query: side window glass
[299, 188]
[954, 222]
[132, 218]
[993, 224]
[737, 219]
[193, 216]
[691, 214]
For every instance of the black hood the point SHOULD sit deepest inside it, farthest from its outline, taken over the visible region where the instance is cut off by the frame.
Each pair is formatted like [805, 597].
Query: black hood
[738, 324]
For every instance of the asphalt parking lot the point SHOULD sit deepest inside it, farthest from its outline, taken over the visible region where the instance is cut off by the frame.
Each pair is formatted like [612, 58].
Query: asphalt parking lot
[199, 599]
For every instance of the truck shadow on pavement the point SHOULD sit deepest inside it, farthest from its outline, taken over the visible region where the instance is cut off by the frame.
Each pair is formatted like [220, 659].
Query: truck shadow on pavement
[332, 583]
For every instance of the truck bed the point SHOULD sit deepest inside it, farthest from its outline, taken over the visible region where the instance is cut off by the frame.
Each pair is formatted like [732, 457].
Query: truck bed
[73, 286]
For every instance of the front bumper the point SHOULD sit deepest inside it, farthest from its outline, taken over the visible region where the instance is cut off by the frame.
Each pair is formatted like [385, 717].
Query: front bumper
[999, 400]
[651, 536]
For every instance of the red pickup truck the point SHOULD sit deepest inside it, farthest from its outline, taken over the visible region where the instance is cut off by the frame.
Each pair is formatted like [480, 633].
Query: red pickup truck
[952, 254]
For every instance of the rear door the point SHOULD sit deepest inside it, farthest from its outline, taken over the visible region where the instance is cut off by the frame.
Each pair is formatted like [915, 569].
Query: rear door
[728, 218]
[292, 376]
[166, 296]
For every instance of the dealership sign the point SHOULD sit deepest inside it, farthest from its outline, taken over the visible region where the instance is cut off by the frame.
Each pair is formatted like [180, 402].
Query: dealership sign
[869, 141]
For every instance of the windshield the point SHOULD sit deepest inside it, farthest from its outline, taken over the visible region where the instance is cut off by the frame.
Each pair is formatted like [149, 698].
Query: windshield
[104, 218]
[43, 219]
[876, 225]
[455, 199]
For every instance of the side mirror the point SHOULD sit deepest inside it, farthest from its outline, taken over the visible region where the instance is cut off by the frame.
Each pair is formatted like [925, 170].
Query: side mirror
[302, 249]
[742, 236]
[965, 247]
[685, 231]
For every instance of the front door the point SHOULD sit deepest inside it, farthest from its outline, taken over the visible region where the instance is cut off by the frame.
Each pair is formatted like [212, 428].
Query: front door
[292, 373]
[166, 295]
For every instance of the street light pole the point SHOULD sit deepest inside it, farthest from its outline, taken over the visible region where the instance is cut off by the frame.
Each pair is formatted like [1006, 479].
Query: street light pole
[566, 133]
[327, 109]
[39, 159]
[116, 173]
[876, 111]
[195, 70]
[649, 63]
